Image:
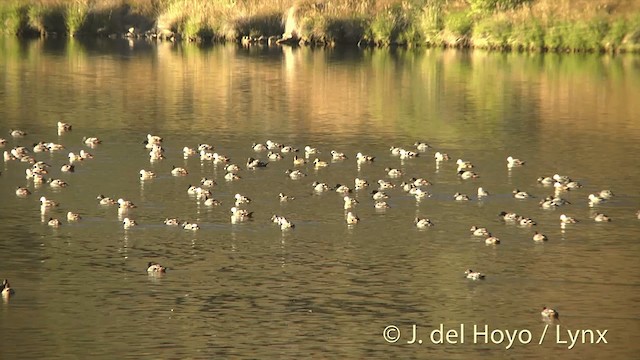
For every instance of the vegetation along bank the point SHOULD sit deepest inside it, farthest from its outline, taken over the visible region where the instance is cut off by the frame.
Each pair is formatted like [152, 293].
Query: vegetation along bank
[536, 25]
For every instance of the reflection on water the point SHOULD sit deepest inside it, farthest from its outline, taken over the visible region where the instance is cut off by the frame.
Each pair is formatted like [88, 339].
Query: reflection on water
[322, 289]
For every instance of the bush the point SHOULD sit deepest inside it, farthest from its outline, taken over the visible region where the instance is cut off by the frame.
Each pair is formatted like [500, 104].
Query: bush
[495, 31]
[459, 23]
[12, 18]
[75, 16]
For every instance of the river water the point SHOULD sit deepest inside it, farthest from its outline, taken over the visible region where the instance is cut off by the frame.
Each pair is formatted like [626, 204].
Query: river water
[323, 289]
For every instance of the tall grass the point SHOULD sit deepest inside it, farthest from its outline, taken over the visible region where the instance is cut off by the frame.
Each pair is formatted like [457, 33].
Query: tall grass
[75, 15]
[12, 17]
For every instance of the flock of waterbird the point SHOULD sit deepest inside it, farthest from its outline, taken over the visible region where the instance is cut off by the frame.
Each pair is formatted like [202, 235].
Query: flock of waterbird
[274, 152]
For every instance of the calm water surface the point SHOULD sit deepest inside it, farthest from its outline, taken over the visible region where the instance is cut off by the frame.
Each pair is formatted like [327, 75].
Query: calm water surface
[322, 290]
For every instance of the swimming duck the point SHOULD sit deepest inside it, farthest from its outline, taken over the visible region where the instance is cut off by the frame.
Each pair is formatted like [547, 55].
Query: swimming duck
[271, 145]
[408, 154]
[466, 174]
[419, 182]
[421, 146]
[208, 201]
[521, 194]
[62, 127]
[57, 183]
[238, 215]
[283, 222]
[419, 193]
[360, 183]
[231, 176]
[476, 231]
[259, 147]
[564, 219]
[232, 168]
[572, 185]
[460, 197]
[17, 133]
[205, 147]
[126, 204]
[179, 171]
[482, 192]
[288, 149]
[381, 205]
[68, 168]
[171, 222]
[73, 157]
[255, 163]
[190, 226]
[54, 147]
[441, 156]
[187, 151]
[393, 172]
[491, 240]
[511, 162]
[45, 203]
[395, 151]
[539, 237]
[22, 191]
[295, 174]
[464, 165]
[274, 156]
[3, 142]
[601, 218]
[511, 216]
[561, 178]
[155, 268]
[85, 155]
[71, 216]
[106, 200]
[422, 223]
[349, 202]
[8, 156]
[548, 203]
[299, 161]
[219, 158]
[147, 174]
[595, 200]
[524, 221]
[337, 155]
[128, 223]
[241, 199]
[7, 291]
[192, 189]
[308, 151]
[208, 183]
[605, 194]
[352, 219]
[361, 158]
[40, 147]
[549, 313]
[384, 185]
[546, 180]
[206, 155]
[407, 186]
[378, 195]
[54, 222]
[473, 275]
[91, 140]
[317, 163]
[156, 154]
[285, 198]
[342, 189]
[154, 139]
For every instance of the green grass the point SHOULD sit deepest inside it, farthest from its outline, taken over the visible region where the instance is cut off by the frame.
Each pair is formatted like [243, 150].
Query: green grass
[75, 15]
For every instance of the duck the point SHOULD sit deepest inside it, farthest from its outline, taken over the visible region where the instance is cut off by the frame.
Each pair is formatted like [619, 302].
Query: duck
[511, 162]
[563, 179]
[419, 193]
[240, 199]
[190, 226]
[509, 216]
[352, 219]
[46, 203]
[85, 155]
[419, 182]
[395, 151]
[407, 186]
[171, 222]
[295, 174]
[155, 268]
[381, 205]
[564, 219]
[349, 202]
[238, 215]
[231, 176]
[179, 171]
[605, 194]
[54, 222]
[7, 291]
[205, 147]
[17, 133]
[73, 157]
[464, 165]
[22, 191]
[460, 197]
[206, 155]
[520, 194]
[571, 185]
[126, 204]
[192, 189]
[147, 174]
[421, 146]
[187, 151]
[154, 139]
[3, 142]
[273, 156]
[361, 158]
[550, 313]
[271, 145]
[299, 161]
[68, 168]
[482, 192]
[378, 195]
[342, 189]
[539, 237]
[285, 198]
[337, 155]
[8, 156]
[491, 240]
[288, 149]
[317, 163]
[473, 275]
[232, 168]
[466, 174]
[595, 200]
[384, 185]
[40, 147]
[71, 216]
[128, 223]
[209, 201]
[308, 151]
[422, 223]
[106, 200]
[219, 158]
[601, 218]
[408, 154]
[255, 163]
[92, 141]
[258, 147]
[207, 183]
[283, 222]
[360, 183]
[545, 180]
[441, 156]
[478, 231]
[524, 221]
[394, 172]
[63, 127]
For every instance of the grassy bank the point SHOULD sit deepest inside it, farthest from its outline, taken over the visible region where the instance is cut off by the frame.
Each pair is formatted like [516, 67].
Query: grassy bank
[554, 25]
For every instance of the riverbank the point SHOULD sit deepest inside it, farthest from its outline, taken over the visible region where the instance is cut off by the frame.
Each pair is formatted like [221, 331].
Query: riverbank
[533, 25]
